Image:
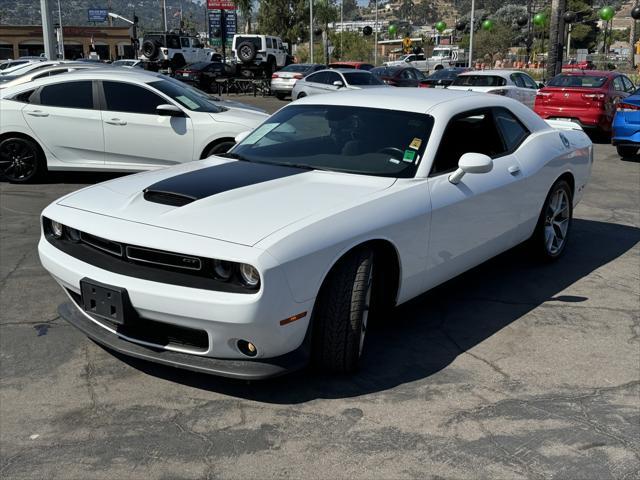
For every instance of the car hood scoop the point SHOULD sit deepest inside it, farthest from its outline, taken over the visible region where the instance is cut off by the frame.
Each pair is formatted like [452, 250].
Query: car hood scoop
[229, 200]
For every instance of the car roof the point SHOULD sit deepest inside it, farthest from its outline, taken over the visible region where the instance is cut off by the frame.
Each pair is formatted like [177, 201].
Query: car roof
[499, 73]
[596, 73]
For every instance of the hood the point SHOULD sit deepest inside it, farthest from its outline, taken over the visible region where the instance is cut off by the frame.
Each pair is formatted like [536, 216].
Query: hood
[223, 199]
[476, 89]
[248, 118]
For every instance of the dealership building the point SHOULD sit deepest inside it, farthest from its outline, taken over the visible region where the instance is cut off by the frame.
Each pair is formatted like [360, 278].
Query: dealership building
[109, 43]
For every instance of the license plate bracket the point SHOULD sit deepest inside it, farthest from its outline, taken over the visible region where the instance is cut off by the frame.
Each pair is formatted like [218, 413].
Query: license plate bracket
[106, 301]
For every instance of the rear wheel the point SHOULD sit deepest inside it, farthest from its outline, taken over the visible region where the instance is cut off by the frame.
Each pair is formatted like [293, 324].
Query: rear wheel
[341, 315]
[280, 95]
[20, 160]
[626, 151]
[554, 224]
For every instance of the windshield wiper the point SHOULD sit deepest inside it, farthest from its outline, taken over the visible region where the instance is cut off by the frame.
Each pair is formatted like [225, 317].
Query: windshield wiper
[235, 156]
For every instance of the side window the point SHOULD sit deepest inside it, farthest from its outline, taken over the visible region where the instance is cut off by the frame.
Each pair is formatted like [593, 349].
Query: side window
[269, 42]
[184, 42]
[68, 95]
[512, 130]
[618, 85]
[528, 81]
[317, 77]
[473, 131]
[173, 41]
[124, 97]
[517, 79]
[408, 73]
[420, 57]
[366, 66]
[24, 97]
[628, 85]
[333, 77]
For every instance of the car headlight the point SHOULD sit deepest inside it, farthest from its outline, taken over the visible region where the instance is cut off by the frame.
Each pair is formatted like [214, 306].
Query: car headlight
[249, 275]
[57, 229]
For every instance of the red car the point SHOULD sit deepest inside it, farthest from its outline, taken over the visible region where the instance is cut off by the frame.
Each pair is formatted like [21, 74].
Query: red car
[356, 65]
[575, 65]
[587, 97]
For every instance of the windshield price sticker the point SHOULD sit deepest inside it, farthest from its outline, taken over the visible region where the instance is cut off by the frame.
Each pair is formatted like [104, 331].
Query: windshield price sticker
[415, 143]
[409, 156]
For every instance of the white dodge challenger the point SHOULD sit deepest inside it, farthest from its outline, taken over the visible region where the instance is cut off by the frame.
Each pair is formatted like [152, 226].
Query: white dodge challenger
[259, 261]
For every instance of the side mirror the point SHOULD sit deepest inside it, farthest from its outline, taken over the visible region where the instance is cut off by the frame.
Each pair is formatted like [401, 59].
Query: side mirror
[471, 163]
[541, 85]
[338, 84]
[167, 110]
[242, 135]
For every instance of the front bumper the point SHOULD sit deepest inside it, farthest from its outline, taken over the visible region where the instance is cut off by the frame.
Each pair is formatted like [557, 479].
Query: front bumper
[241, 369]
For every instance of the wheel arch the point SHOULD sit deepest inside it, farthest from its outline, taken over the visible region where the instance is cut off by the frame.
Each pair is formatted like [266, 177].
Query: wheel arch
[570, 179]
[214, 143]
[26, 137]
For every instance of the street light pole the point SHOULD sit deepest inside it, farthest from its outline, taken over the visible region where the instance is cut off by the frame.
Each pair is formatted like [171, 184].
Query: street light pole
[60, 33]
[341, 24]
[311, 30]
[473, 11]
[375, 37]
[47, 29]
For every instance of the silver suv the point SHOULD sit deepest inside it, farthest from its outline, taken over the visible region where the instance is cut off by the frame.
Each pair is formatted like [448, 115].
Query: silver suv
[259, 55]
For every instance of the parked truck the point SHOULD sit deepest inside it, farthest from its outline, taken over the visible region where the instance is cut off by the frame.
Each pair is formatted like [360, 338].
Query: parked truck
[442, 57]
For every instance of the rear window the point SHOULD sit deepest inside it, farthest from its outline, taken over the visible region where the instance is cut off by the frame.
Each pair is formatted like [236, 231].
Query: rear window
[480, 81]
[257, 42]
[578, 81]
[354, 78]
[296, 68]
[384, 71]
[444, 73]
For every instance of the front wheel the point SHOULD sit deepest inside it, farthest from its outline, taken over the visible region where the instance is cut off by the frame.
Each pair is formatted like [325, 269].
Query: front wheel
[342, 312]
[626, 151]
[20, 160]
[552, 231]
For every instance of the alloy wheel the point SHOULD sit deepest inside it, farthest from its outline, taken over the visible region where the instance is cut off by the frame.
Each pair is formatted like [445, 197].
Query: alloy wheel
[556, 222]
[18, 159]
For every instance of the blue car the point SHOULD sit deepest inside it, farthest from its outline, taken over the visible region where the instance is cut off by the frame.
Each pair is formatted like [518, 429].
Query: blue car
[626, 125]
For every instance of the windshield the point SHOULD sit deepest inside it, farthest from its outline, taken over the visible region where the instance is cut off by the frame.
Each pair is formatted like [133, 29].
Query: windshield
[257, 42]
[384, 71]
[579, 81]
[479, 81]
[367, 141]
[296, 68]
[444, 73]
[188, 98]
[361, 78]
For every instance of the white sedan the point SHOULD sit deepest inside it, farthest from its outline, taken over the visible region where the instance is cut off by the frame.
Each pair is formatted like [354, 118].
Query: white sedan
[111, 119]
[509, 83]
[252, 263]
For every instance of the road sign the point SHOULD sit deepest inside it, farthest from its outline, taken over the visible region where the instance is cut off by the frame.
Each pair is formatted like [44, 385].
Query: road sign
[97, 14]
[220, 5]
[215, 23]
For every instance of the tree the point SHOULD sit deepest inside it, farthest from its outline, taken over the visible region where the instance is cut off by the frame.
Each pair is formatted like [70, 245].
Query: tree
[489, 43]
[286, 18]
[425, 12]
[509, 14]
[405, 12]
[349, 9]
[246, 9]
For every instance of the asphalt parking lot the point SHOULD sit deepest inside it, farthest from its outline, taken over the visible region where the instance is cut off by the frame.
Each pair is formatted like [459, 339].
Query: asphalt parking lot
[513, 370]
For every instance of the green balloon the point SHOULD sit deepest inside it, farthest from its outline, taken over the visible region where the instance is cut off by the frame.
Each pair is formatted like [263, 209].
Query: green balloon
[441, 26]
[487, 25]
[606, 13]
[392, 29]
[539, 19]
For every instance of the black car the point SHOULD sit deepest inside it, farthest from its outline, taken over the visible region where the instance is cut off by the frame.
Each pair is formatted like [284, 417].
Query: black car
[203, 74]
[444, 77]
[400, 76]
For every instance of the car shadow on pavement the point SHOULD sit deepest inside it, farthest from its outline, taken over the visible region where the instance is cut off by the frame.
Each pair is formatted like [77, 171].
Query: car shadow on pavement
[427, 334]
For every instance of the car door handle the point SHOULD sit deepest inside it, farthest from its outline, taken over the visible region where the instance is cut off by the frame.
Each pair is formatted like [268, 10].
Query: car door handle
[37, 113]
[514, 169]
[115, 121]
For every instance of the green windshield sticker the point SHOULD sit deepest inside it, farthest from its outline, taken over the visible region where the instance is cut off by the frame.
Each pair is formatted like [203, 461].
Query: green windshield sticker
[409, 156]
[187, 102]
[258, 133]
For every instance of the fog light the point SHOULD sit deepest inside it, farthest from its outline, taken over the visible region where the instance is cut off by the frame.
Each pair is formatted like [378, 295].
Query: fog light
[222, 269]
[74, 235]
[56, 229]
[247, 348]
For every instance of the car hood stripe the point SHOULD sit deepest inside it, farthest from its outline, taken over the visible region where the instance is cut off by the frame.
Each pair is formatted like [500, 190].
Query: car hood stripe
[197, 184]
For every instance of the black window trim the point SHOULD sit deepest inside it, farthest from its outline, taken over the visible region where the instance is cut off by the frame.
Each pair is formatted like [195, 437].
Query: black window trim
[477, 111]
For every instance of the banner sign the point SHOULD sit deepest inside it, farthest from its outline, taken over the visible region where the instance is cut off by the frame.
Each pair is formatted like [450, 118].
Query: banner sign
[220, 5]
[97, 14]
[215, 23]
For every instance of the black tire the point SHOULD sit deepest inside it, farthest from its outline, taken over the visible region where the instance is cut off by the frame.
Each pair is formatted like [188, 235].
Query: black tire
[177, 62]
[246, 52]
[341, 313]
[551, 222]
[280, 95]
[150, 49]
[269, 68]
[221, 147]
[21, 160]
[301, 95]
[626, 151]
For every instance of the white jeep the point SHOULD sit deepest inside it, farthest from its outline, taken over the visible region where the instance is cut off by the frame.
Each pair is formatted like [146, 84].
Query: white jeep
[257, 55]
[173, 50]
